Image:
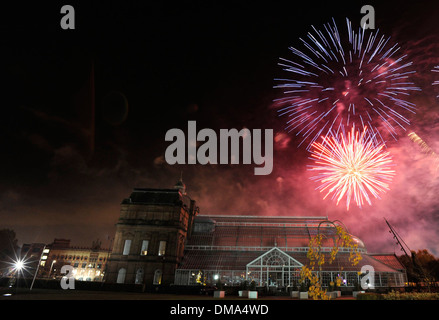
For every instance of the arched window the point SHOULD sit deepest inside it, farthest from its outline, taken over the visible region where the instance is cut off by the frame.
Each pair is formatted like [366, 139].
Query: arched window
[139, 276]
[157, 277]
[121, 275]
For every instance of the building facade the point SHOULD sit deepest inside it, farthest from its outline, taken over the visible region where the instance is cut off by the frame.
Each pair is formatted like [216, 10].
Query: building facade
[162, 240]
[151, 233]
[89, 263]
[271, 252]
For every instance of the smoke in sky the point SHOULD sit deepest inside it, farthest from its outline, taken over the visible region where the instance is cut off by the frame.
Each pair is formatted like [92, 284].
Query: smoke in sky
[62, 192]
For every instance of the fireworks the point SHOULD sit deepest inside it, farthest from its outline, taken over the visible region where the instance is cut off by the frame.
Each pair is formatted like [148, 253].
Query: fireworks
[424, 147]
[355, 167]
[436, 82]
[344, 80]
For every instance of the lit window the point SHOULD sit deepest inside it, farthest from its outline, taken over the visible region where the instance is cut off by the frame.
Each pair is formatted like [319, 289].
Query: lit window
[44, 258]
[46, 251]
[144, 250]
[158, 275]
[126, 247]
[162, 248]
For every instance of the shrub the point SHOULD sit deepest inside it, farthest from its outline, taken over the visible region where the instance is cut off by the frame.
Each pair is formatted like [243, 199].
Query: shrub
[396, 295]
[369, 296]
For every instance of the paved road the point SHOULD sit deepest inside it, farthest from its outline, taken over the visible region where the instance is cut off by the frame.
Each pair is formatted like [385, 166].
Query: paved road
[47, 294]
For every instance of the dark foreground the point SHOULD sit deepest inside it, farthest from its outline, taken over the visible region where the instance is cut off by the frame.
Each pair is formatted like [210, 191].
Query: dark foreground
[52, 294]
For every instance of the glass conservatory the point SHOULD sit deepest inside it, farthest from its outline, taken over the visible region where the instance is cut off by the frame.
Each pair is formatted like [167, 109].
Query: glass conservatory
[271, 252]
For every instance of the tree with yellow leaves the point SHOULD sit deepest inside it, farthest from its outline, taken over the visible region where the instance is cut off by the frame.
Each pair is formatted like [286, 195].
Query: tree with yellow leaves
[342, 239]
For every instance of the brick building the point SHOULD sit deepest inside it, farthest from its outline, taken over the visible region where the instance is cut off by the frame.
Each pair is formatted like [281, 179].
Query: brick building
[88, 263]
[151, 232]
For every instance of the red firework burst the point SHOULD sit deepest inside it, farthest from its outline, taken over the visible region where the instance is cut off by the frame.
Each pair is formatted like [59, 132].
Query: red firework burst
[354, 167]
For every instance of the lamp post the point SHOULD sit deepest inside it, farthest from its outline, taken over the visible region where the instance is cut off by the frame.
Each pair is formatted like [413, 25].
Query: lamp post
[36, 270]
[51, 266]
[18, 266]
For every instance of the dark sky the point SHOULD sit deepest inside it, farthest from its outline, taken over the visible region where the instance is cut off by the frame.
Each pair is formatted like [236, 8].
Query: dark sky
[209, 61]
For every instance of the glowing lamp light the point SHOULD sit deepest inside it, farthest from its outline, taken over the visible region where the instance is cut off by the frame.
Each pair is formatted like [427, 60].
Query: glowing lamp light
[18, 265]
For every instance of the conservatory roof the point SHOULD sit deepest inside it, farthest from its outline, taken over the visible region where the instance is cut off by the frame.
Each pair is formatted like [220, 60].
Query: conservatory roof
[238, 260]
[256, 231]
[389, 259]
[220, 242]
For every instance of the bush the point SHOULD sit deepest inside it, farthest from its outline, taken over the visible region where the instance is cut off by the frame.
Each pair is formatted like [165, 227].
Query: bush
[303, 287]
[244, 285]
[369, 296]
[396, 295]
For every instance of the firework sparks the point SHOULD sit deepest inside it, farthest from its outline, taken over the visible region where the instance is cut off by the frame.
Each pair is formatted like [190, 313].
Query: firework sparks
[354, 167]
[347, 79]
[424, 147]
[436, 82]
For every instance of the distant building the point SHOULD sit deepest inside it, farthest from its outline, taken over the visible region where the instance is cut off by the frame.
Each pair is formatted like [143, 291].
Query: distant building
[161, 240]
[32, 251]
[88, 263]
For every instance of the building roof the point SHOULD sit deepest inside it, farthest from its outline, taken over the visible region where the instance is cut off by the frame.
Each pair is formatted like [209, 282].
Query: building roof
[254, 232]
[232, 242]
[390, 259]
[237, 260]
[155, 197]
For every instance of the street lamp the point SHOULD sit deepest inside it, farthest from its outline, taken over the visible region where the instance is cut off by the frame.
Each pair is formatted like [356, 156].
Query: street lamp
[36, 270]
[18, 265]
[51, 266]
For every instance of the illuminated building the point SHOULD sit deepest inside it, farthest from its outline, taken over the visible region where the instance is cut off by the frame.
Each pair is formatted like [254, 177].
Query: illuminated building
[271, 252]
[88, 263]
[161, 240]
[32, 252]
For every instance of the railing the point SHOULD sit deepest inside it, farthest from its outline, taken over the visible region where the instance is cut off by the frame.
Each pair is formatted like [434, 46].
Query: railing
[259, 248]
[269, 224]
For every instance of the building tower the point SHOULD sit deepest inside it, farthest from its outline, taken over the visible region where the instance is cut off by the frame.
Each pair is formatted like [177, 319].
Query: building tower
[150, 236]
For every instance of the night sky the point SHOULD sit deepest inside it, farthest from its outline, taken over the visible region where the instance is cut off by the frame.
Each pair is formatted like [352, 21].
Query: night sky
[64, 175]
